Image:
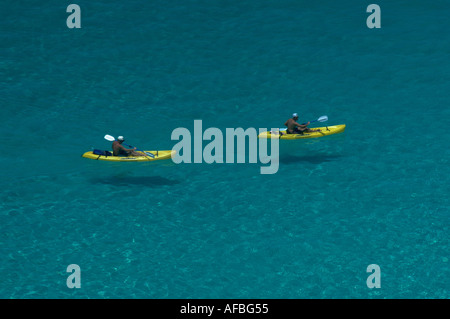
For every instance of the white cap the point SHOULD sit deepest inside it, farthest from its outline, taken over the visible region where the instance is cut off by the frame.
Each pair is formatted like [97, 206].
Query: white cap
[295, 115]
[120, 138]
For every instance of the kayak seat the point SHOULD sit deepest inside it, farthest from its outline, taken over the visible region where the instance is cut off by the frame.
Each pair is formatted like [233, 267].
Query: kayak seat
[102, 153]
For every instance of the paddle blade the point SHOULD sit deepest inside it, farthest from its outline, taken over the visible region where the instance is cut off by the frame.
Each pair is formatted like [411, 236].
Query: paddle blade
[150, 154]
[322, 118]
[110, 138]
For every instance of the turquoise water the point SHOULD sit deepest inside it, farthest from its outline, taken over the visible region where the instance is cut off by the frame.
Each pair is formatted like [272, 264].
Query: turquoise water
[376, 194]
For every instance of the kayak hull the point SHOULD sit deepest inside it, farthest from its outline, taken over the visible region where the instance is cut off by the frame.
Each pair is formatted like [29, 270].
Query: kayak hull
[159, 155]
[326, 130]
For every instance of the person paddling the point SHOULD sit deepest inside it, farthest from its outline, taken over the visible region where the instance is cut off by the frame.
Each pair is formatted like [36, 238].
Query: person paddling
[119, 149]
[295, 128]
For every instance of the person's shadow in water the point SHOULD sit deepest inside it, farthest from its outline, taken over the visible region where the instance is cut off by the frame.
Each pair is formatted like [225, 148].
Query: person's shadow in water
[312, 159]
[148, 181]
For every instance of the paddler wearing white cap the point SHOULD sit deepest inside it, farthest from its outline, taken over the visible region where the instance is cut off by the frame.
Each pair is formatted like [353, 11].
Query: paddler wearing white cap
[119, 149]
[294, 128]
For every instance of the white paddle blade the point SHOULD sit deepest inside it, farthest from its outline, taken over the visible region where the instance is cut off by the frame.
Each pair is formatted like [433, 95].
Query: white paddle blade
[110, 138]
[322, 118]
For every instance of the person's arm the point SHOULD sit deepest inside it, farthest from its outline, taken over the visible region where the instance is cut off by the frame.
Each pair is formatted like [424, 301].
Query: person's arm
[286, 123]
[126, 149]
[301, 125]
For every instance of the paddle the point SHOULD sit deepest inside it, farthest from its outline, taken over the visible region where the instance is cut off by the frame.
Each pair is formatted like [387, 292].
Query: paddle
[112, 139]
[323, 118]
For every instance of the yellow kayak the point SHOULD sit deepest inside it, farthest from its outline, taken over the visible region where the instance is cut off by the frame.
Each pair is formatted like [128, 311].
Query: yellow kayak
[324, 131]
[158, 155]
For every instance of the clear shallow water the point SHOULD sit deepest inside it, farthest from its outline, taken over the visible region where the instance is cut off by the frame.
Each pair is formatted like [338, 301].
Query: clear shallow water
[377, 193]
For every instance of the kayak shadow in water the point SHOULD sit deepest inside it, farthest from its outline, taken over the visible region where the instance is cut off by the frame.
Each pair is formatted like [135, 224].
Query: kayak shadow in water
[313, 159]
[148, 181]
